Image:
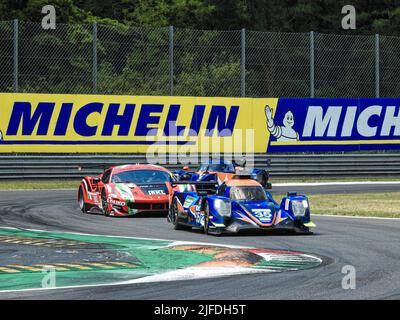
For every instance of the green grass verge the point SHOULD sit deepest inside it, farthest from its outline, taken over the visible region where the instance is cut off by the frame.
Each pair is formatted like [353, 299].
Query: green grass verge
[310, 180]
[384, 204]
[39, 184]
[357, 204]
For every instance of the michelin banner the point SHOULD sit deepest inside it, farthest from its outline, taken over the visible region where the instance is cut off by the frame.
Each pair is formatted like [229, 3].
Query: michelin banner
[306, 125]
[142, 124]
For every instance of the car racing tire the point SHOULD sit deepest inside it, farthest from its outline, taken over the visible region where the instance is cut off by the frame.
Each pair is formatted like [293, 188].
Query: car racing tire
[301, 229]
[206, 218]
[81, 201]
[206, 228]
[104, 203]
[174, 216]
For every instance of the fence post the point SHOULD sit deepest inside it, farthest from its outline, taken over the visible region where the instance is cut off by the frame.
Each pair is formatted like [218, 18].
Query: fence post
[377, 69]
[94, 70]
[171, 60]
[243, 63]
[15, 56]
[312, 65]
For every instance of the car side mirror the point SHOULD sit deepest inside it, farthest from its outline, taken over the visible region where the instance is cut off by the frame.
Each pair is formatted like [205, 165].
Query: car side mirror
[186, 168]
[96, 180]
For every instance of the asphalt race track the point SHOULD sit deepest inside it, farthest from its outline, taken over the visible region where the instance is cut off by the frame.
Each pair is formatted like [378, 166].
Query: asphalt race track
[370, 245]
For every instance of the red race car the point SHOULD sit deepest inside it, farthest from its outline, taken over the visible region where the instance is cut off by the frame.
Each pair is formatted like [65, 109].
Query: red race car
[126, 190]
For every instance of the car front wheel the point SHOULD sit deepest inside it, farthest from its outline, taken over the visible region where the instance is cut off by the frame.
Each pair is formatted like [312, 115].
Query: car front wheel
[81, 201]
[104, 204]
[174, 216]
[206, 218]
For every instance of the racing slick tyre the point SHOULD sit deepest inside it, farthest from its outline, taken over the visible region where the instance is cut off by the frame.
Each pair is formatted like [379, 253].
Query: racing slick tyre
[206, 228]
[174, 216]
[206, 218]
[104, 203]
[81, 200]
[301, 229]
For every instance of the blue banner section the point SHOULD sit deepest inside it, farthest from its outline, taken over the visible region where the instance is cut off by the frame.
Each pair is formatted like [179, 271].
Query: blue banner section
[305, 125]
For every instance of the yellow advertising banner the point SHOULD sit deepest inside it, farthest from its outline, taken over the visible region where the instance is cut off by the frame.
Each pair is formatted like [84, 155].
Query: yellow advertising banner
[131, 124]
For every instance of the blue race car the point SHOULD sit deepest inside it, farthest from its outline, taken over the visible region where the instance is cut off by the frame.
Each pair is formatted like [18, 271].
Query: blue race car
[221, 170]
[238, 204]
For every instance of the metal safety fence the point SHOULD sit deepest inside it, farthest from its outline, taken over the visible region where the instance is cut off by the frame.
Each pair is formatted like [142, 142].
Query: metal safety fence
[109, 59]
[74, 166]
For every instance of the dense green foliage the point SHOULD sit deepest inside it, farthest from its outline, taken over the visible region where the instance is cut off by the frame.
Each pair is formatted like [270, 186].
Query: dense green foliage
[268, 15]
[133, 53]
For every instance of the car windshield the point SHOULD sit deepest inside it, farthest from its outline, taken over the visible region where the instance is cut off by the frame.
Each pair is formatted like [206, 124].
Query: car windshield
[142, 176]
[253, 193]
[217, 167]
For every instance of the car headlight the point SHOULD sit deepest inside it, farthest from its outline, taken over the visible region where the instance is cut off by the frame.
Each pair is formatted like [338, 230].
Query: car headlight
[223, 207]
[299, 207]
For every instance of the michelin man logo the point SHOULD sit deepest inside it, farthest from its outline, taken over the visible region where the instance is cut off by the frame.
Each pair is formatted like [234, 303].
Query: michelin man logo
[285, 132]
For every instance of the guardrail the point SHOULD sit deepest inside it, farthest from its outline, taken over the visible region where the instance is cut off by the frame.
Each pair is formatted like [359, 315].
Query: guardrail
[282, 166]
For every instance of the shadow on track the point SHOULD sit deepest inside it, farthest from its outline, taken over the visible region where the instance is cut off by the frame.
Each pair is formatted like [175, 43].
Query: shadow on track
[155, 214]
[255, 233]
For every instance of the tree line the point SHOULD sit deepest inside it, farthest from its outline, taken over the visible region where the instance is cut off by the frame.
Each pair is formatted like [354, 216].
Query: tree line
[134, 55]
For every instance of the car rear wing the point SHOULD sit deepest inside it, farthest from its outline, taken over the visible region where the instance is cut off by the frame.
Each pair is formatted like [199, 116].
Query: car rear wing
[201, 187]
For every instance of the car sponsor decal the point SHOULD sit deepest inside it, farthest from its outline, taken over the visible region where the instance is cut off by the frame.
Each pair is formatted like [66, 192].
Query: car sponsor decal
[116, 202]
[264, 215]
[188, 201]
[156, 193]
[259, 222]
[287, 203]
[154, 190]
[197, 214]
